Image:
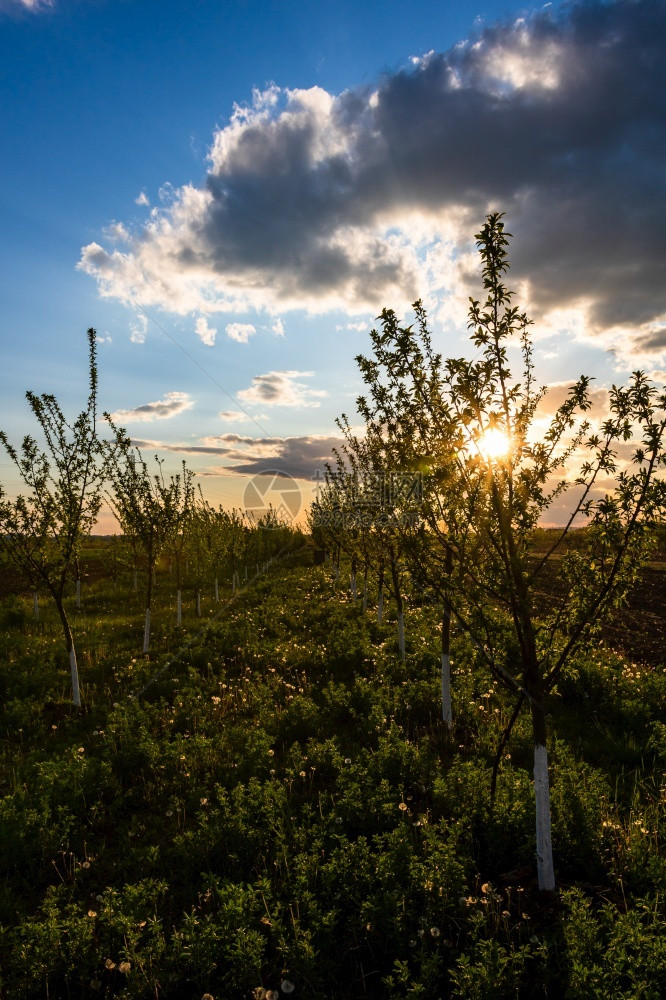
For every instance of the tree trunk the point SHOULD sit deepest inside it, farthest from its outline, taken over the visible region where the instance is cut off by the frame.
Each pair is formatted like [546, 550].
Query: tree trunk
[198, 602]
[401, 636]
[217, 590]
[78, 595]
[544, 848]
[146, 631]
[149, 597]
[246, 574]
[447, 714]
[352, 579]
[395, 576]
[136, 580]
[365, 587]
[35, 604]
[380, 595]
[69, 640]
[179, 608]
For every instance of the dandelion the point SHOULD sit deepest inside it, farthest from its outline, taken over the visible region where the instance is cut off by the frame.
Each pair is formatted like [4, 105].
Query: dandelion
[169, 812]
[403, 806]
[347, 760]
[95, 984]
[435, 932]
[272, 995]
[208, 996]
[302, 773]
[534, 939]
[271, 753]
[109, 964]
[125, 967]
[287, 986]
[412, 942]
[86, 864]
[92, 914]
[99, 898]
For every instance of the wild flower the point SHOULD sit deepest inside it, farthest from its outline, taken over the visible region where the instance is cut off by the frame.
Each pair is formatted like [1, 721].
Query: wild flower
[125, 967]
[287, 986]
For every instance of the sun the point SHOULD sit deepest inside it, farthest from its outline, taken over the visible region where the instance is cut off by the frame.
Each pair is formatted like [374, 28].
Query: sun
[494, 444]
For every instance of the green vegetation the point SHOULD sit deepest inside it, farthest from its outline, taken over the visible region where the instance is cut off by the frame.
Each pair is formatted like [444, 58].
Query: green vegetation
[282, 804]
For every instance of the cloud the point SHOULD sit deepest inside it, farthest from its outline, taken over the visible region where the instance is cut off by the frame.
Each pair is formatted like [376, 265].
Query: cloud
[142, 199]
[138, 329]
[302, 457]
[162, 409]
[282, 389]
[240, 332]
[205, 333]
[369, 198]
[238, 416]
[278, 328]
[558, 392]
[31, 5]
[358, 327]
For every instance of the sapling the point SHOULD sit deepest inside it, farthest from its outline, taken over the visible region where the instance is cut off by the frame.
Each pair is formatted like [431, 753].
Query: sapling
[147, 504]
[41, 532]
[487, 482]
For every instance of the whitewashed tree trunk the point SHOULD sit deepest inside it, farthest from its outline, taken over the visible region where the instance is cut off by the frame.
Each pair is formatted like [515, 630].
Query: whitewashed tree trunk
[146, 632]
[76, 693]
[179, 608]
[401, 635]
[217, 590]
[237, 579]
[544, 847]
[198, 603]
[446, 690]
[353, 585]
[35, 604]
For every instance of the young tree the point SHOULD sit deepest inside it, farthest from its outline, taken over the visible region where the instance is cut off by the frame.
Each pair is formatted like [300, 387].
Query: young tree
[42, 531]
[149, 507]
[488, 481]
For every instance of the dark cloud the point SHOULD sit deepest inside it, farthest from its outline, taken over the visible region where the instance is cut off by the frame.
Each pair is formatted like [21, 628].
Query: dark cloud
[558, 119]
[301, 457]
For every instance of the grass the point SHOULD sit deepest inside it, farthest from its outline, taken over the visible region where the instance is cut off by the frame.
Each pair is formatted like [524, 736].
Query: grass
[279, 805]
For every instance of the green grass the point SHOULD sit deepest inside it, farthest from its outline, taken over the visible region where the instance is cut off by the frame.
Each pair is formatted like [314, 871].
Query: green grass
[273, 799]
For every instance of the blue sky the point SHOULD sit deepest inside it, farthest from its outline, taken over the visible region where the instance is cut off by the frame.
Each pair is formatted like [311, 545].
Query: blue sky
[230, 192]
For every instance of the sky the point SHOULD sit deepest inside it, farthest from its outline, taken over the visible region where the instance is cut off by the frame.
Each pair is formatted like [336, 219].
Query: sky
[231, 192]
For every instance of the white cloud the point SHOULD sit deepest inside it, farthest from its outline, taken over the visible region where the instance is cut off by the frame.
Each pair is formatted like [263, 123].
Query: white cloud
[240, 332]
[234, 416]
[162, 409]
[282, 389]
[138, 329]
[359, 327]
[31, 5]
[142, 199]
[278, 328]
[370, 198]
[205, 333]
[104, 338]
